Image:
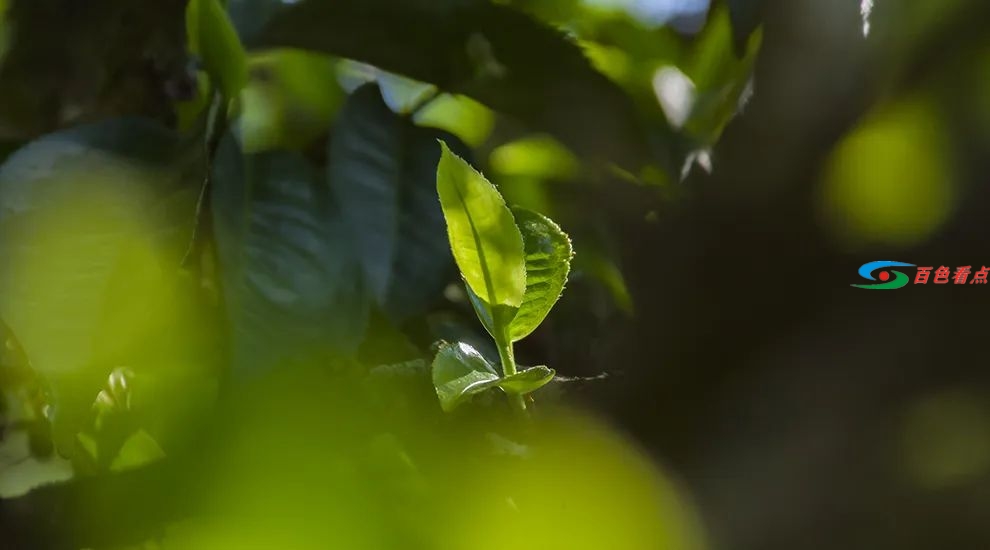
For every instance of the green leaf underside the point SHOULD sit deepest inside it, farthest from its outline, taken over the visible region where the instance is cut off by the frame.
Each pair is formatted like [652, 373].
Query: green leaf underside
[291, 281]
[212, 36]
[485, 241]
[460, 371]
[382, 171]
[548, 261]
[527, 381]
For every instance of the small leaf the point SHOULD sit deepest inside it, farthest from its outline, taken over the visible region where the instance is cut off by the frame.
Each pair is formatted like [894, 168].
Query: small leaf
[548, 261]
[213, 38]
[459, 372]
[721, 74]
[483, 235]
[527, 381]
[747, 16]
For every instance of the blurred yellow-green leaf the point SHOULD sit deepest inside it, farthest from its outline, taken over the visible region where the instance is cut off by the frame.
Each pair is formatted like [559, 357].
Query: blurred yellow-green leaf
[290, 99]
[212, 36]
[890, 181]
[536, 156]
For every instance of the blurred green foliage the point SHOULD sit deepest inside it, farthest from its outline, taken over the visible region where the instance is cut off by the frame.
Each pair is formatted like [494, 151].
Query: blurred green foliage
[310, 370]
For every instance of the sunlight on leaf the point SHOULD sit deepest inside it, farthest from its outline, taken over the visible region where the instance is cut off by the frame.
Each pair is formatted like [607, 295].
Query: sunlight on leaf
[527, 380]
[460, 115]
[212, 36]
[548, 261]
[483, 235]
[459, 372]
[539, 156]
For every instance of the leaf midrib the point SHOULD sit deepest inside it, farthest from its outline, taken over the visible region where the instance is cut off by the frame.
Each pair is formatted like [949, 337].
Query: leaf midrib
[485, 272]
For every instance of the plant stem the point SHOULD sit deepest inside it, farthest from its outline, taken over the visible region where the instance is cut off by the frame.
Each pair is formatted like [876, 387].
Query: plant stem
[505, 353]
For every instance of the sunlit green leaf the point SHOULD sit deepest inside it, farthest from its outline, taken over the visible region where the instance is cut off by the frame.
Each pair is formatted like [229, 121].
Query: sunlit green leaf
[459, 372]
[548, 261]
[213, 38]
[527, 381]
[459, 115]
[483, 235]
[291, 281]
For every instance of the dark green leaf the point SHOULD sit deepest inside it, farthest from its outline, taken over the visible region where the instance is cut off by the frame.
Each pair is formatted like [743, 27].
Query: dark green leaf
[213, 38]
[382, 171]
[490, 52]
[291, 281]
[459, 372]
[548, 261]
[527, 381]
[483, 235]
[365, 168]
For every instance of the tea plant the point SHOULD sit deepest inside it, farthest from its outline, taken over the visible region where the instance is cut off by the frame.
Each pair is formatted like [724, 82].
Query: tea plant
[514, 263]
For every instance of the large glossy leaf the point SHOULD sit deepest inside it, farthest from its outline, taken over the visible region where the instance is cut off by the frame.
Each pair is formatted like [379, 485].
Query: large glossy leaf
[93, 224]
[382, 172]
[548, 261]
[483, 235]
[213, 38]
[291, 282]
[490, 52]
[459, 372]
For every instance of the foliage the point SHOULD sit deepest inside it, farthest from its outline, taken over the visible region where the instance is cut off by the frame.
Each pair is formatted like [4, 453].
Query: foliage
[514, 275]
[290, 233]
